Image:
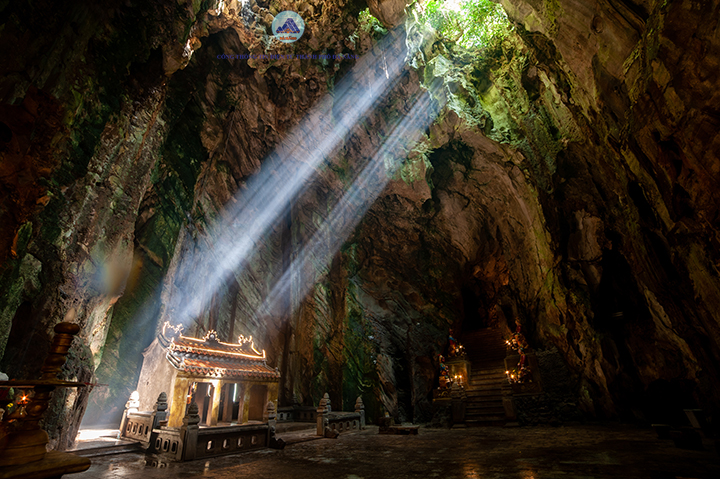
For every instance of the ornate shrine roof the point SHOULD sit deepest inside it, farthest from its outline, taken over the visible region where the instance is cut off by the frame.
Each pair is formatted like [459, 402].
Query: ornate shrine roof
[210, 358]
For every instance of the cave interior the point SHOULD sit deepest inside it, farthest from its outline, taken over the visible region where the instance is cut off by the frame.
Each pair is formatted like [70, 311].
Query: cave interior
[403, 172]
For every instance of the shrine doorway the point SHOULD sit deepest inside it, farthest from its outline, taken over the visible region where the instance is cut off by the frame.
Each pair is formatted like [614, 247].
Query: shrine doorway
[258, 399]
[203, 397]
[231, 398]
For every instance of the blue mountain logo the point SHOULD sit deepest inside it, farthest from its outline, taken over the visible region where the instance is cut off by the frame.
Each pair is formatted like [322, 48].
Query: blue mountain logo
[288, 27]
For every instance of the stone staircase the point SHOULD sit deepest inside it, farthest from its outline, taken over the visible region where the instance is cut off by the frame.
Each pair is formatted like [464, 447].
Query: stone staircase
[119, 448]
[486, 351]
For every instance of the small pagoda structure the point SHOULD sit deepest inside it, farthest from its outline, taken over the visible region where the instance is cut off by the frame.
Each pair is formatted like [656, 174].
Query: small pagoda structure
[229, 383]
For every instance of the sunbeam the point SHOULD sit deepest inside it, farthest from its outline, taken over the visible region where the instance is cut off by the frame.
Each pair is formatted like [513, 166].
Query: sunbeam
[353, 205]
[286, 173]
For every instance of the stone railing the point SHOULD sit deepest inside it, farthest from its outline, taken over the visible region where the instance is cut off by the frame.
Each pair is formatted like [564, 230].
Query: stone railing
[139, 425]
[218, 441]
[297, 414]
[168, 443]
[331, 424]
[190, 442]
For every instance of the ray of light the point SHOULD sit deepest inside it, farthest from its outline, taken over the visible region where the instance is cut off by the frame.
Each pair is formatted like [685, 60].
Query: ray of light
[230, 240]
[317, 253]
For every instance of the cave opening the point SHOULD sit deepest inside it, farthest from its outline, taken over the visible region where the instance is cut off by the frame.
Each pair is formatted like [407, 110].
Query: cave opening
[475, 310]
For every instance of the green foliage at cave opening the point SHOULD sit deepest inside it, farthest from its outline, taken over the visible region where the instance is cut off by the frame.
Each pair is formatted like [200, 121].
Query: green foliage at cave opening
[367, 22]
[470, 24]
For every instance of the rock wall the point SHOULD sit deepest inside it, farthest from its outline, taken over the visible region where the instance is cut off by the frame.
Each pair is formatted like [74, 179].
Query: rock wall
[566, 185]
[557, 402]
[633, 230]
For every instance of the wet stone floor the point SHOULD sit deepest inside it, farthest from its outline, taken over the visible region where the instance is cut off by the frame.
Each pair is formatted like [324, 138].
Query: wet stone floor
[582, 451]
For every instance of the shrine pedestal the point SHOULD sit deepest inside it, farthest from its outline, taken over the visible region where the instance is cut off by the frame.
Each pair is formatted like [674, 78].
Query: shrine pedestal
[529, 387]
[459, 366]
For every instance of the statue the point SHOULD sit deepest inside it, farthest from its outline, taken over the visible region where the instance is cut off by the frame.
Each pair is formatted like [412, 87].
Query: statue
[444, 373]
[518, 343]
[454, 347]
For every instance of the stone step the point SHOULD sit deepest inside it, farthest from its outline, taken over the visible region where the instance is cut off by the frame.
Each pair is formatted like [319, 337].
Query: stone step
[485, 419]
[485, 374]
[488, 372]
[484, 392]
[478, 352]
[484, 412]
[108, 450]
[479, 347]
[484, 406]
[485, 422]
[492, 369]
[483, 358]
[487, 377]
[482, 383]
[488, 365]
[495, 388]
[488, 362]
[485, 400]
[480, 416]
[484, 346]
[482, 332]
[493, 383]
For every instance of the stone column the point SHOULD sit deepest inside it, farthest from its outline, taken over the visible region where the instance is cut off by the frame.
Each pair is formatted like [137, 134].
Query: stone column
[271, 414]
[178, 405]
[227, 401]
[322, 411]
[215, 407]
[509, 405]
[246, 403]
[240, 398]
[160, 412]
[189, 434]
[273, 392]
[458, 396]
[360, 408]
[132, 405]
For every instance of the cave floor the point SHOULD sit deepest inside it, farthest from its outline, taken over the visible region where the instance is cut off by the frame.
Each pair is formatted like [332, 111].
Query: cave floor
[581, 451]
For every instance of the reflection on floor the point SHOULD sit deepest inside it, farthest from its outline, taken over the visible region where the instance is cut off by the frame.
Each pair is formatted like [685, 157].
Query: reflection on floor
[92, 438]
[582, 451]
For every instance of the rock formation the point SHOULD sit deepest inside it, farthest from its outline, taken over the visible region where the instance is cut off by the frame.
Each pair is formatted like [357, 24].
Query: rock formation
[567, 184]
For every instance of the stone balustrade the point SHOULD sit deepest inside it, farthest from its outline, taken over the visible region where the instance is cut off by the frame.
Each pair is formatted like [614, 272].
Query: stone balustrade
[330, 424]
[297, 414]
[190, 442]
[139, 425]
